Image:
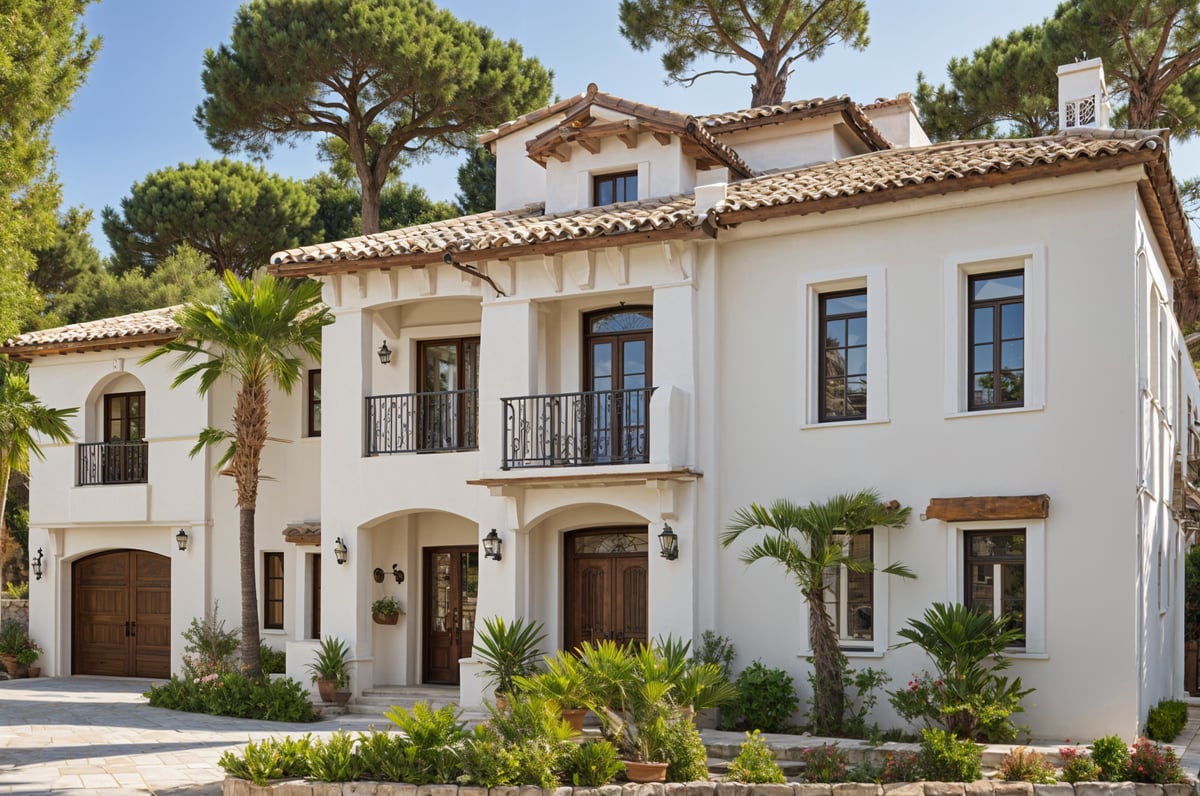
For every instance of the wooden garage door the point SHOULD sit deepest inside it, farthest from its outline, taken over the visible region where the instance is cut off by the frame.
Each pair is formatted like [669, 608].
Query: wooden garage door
[122, 614]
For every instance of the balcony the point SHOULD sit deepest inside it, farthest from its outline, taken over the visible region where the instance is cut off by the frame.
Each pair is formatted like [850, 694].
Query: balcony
[423, 422]
[577, 429]
[112, 463]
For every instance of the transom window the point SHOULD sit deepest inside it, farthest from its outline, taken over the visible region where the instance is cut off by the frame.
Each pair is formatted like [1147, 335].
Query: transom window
[850, 596]
[273, 591]
[616, 187]
[843, 356]
[996, 335]
[995, 576]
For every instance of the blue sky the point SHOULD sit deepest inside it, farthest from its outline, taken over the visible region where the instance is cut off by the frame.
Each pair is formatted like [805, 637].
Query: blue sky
[134, 115]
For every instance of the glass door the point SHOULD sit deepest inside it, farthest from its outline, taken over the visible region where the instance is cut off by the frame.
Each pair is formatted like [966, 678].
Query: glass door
[451, 597]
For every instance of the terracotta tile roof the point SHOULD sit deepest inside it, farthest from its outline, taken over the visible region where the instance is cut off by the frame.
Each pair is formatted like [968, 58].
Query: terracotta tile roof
[128, 328]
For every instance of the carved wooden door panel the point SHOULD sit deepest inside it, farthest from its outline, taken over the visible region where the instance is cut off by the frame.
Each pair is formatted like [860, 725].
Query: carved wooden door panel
[122, 614]
[606, 586]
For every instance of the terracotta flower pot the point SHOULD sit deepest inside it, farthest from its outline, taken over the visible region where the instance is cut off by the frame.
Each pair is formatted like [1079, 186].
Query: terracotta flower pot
[340, 698]
[574, 717]
[10, 663]
[637, 771]
[386, 619]
[326, 689]
[35, 671]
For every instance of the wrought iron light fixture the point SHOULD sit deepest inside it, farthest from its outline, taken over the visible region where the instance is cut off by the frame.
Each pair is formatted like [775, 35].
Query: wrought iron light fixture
[36, 564]
[340, 551]
[397, 573]
[668, 541]
[181, 538]
[491, 545]
[385, 353]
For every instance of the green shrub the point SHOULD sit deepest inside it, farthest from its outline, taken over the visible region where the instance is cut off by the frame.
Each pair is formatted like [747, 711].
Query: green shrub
[1150, 762]
[825, 763]
[859, 687]
[1026, 765]
[766, 699]
[232, 694]
[271, 758]
[13, 637]
[1166, 720]
[435, 738]
[686, 757]
[381, 756]
[1111, 755]
[592, 764]
[716, 649]
[755, 762]
[902, 767]
[944, 758]
[485, 760]
[334, 760]
[273, 661]
[210, 647]
[1078, 766]
[535, 737]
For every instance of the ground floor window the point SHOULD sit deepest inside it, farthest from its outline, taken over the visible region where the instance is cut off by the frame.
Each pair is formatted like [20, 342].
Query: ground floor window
[850, 595]
[995, 575]
[273, 591]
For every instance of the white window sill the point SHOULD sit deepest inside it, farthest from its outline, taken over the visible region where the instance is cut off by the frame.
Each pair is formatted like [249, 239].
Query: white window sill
[845, 423]
[272, 632]
[1027, 656]
[854, 653]
[1016, 410]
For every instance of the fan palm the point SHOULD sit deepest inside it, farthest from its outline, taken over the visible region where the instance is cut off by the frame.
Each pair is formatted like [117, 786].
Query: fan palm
[21, 416]
[253, 335]
[808, 541]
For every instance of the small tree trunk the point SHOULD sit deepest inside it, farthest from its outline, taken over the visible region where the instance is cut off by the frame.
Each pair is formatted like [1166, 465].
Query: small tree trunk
[770, 83]
[829, 695]
[251, 659]
[370, 205]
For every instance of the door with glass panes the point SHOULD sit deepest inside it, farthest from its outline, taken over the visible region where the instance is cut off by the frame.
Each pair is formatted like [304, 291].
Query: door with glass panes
[124, 432]
[449, 380]
[617, 378]
[451, 594]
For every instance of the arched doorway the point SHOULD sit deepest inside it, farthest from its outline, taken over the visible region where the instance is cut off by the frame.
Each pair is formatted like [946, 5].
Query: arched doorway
[121, 614]
[606, 585]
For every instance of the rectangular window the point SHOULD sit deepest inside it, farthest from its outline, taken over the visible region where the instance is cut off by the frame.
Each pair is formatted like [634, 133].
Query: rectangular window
[314, 596]
[995, 574]
[843, 356]
[850, 596]
[314, 403]
[618, 187]
[273, 591]
[996, 340]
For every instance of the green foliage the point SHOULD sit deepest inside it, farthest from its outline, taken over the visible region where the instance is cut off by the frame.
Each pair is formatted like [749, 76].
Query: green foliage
[1078, 766]
[1166, 720]
[534, 738]
[1111, 756]
[1149, 762]
[967, 695]
[27, 655]
[825, 763]
[210, 648]
[1026, 765]
[755, 762]
[859, 686]
[235, 213]
[901, 767]
[683, 750]
[716, 649]
[183, 276]
[1191, 589]
[273, 661]
[592, 764]
[334, 760]
[271, 758]
[422, 79]
[387, 605]
[769, 37]
[234, 694]
[766, 699]
[64, 265]
[17, 591]
[944, 758]
[476, 183]
[330, 662]
[383, 756]
[563, 680]
[508, 650]
[435, 738]
[13, 637]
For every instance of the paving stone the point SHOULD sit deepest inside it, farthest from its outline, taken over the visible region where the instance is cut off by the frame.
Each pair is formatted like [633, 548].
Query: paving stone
[1059, 789]
[1013, 789]
[983, 787]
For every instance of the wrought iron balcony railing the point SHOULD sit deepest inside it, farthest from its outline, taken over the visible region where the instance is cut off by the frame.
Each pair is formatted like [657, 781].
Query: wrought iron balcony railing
[423, 422]
[577, 428]
[112, 463]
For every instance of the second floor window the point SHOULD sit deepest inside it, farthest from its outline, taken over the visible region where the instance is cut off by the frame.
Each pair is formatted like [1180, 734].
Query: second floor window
[273, 591]
[843, 356]
[618, 187]
[125, 417]
[996, 337]
[314, 403]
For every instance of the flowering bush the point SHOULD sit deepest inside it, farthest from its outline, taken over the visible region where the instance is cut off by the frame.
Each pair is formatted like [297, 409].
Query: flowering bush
[824, 763]
[1078, 765]
[901, 767]
[1026, 765]
[1150, 762]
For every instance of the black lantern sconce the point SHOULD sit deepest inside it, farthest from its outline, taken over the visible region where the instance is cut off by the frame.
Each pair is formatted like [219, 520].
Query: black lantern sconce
[340, 551]
[491, 545]
[36, 564]
[385, 353]
[668, 541]
[181, 538]
[397, 573]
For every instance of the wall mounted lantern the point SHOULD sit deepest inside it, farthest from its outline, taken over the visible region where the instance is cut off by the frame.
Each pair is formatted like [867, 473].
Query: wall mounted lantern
[385, 353]
[397, 573]
[181, 538]
[37, 565]
[668, 540]
[491, 545]
[340, 551]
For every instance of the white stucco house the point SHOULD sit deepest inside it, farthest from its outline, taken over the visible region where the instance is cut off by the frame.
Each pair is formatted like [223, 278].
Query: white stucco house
[666, 318]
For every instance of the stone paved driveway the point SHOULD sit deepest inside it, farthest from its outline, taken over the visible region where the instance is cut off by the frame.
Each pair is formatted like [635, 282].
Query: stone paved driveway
[95, 735]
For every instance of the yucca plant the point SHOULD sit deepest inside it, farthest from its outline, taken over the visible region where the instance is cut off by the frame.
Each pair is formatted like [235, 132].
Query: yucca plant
[563, 680]
[508, 650]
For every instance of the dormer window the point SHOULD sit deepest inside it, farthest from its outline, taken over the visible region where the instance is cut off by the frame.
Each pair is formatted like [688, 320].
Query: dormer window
[616, 187]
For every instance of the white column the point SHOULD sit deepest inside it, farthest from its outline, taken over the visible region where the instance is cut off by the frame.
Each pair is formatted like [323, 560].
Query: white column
[674, 374]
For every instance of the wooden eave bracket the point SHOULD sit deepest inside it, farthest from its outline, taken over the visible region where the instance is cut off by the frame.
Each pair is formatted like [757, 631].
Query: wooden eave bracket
[977, 509]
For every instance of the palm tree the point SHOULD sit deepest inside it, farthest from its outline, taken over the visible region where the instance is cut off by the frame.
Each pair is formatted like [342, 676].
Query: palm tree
[22, 415]
[808, 541]
[251, 335]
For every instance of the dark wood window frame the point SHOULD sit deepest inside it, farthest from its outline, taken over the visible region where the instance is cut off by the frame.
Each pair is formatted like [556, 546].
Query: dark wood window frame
[997, 341]
[313, 402]
[314, 595]
[273, 590]
[125, 421]
[618, 183]
[971, 560]
[464, 406]
[825, 414]
[833, 598]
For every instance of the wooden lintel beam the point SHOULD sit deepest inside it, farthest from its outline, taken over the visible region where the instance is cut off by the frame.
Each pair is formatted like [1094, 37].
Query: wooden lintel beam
[974, 509]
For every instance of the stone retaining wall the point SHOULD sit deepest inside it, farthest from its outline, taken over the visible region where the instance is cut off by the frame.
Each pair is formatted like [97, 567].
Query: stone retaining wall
[15, 609]
[242, 787]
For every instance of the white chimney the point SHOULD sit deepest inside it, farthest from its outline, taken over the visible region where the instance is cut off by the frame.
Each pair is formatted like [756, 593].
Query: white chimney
[1082, 95]
[708, 197]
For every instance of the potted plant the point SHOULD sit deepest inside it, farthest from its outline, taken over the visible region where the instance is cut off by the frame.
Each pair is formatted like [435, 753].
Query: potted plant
[508, 650]
[564, 682]
[387, 610]
[329, 670]
[13, 639]
[28, 656]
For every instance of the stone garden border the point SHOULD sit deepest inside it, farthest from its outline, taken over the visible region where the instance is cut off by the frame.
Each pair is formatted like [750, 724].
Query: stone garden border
[241, 787]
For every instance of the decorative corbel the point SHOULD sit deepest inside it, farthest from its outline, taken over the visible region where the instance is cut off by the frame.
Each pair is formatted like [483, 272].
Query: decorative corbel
[554, 269]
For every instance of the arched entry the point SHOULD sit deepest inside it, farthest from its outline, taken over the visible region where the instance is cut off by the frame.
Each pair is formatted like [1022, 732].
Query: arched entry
[121, 614]
[607, 577]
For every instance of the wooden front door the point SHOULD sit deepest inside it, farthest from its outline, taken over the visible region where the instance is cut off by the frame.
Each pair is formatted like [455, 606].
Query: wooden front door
[451, 594]
[121, 603]
[607, 579]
